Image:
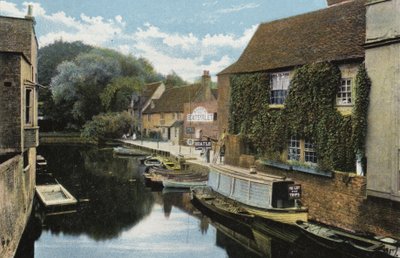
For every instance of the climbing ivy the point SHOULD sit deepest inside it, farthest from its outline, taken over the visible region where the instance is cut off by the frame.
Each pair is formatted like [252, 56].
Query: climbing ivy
[309, 113]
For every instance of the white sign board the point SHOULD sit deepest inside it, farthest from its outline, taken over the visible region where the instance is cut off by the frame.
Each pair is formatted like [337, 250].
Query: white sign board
[200, 114]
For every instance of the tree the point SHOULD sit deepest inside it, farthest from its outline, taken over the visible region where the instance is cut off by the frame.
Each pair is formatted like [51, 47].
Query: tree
[119, 92]
[174, 80]
[107, 126]
[101, 80]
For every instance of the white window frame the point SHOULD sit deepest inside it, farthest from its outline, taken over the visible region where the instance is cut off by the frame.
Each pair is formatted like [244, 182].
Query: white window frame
[294, 149]
[310, 154]
[280, 84]
[29, 105]
[344, 96]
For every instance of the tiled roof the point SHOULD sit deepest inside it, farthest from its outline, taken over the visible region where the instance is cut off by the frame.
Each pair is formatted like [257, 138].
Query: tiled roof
[147, 93]
[334, 33]
[172, 99]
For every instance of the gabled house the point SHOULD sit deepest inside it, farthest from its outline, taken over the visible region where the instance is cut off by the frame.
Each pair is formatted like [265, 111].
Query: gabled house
[183, 113]
[163, 117]
[277, 74]
[19, 134]
[151, 91]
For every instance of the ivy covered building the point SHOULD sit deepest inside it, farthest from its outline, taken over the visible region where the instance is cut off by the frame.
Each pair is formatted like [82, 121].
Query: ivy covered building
[296, 96]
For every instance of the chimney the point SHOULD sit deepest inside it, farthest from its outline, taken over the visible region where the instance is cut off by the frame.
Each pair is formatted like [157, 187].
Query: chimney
[333, 2]
[206, 78]
[29, 15]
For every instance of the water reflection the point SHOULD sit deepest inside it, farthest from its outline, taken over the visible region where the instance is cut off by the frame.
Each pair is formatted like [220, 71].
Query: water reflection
[123, 218]
[115, 203]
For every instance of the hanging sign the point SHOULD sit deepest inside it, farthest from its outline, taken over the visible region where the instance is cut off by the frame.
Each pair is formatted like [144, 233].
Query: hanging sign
[294, 191]
[200, 114]
[199, 145]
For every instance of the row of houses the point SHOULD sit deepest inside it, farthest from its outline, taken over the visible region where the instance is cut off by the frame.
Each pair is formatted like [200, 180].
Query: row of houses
[176, 114]
[348, 35]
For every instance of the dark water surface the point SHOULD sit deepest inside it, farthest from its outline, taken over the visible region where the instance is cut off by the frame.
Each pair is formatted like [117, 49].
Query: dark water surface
[123, 218]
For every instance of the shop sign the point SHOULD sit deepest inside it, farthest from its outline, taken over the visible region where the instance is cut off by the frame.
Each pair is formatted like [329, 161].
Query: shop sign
[200, 145]
[200, 114]
[294, 191]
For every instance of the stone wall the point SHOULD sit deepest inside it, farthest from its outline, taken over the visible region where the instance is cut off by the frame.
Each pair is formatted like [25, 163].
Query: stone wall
[10, 111]
[16, 196]
[20, 37]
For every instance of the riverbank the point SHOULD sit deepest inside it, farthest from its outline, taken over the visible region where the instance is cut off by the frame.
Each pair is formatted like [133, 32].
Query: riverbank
[63, 137]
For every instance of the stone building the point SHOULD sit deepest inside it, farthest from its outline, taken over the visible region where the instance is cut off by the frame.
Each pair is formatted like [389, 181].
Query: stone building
[382, 58]
[167, 116]
[163, 117]
[18, 127]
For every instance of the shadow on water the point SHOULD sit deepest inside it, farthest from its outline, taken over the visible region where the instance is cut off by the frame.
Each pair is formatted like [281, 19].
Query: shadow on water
[115, 199]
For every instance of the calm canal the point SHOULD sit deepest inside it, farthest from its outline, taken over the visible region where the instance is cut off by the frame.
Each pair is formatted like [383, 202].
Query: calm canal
[120, 217]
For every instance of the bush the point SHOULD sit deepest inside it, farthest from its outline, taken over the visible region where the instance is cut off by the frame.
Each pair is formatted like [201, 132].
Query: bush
[107, 126]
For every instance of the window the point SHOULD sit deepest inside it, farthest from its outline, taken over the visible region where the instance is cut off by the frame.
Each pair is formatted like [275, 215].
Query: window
[29, 106]
[176, 132]
[215, 116]
[302, 150]
[294, 149]
[148, 117]
[279, 87]
[344, 94]
[309, 152]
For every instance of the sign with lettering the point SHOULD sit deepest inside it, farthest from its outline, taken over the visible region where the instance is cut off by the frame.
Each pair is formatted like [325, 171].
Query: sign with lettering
[190, 142]
[200, 145]
[294, 191]
[200, 114]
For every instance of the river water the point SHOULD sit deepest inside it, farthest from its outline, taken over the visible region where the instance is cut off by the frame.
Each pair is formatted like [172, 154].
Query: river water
[119, 217]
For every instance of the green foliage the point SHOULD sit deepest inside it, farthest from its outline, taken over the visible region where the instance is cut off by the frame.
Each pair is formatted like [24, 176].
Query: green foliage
[101, 80]
[309, 113]
[174, 80]
[107, 126]
[118, 94]
[360, 113]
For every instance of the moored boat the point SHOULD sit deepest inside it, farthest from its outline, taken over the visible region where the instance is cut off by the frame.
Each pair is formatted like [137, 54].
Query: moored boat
[348, 242]
[262, 195]
[222, 209]
[128, 151]
[184, 183]
[162, 162]
[54, 195]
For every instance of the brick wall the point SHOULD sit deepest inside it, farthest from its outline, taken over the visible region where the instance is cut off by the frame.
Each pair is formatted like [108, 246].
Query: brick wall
[16, 196]
[10, 96]
[341, 201]
[208, 128]
[223, 101]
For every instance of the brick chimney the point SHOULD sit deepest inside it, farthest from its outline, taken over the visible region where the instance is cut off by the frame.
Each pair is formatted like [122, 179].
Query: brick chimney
[333, 2]
[205, 78]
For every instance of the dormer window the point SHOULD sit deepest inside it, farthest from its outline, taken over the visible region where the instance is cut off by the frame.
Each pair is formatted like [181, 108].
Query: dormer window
[279, 88]
[344, 93]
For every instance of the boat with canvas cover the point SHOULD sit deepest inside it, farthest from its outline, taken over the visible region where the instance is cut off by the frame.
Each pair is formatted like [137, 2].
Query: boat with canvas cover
[265, 196]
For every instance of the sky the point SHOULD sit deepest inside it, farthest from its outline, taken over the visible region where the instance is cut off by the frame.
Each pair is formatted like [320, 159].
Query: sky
[184, 36]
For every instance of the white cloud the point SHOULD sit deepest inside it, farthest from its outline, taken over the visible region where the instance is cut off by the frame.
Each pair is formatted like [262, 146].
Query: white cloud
[10, 9]
[239, 8]
[187, 54]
